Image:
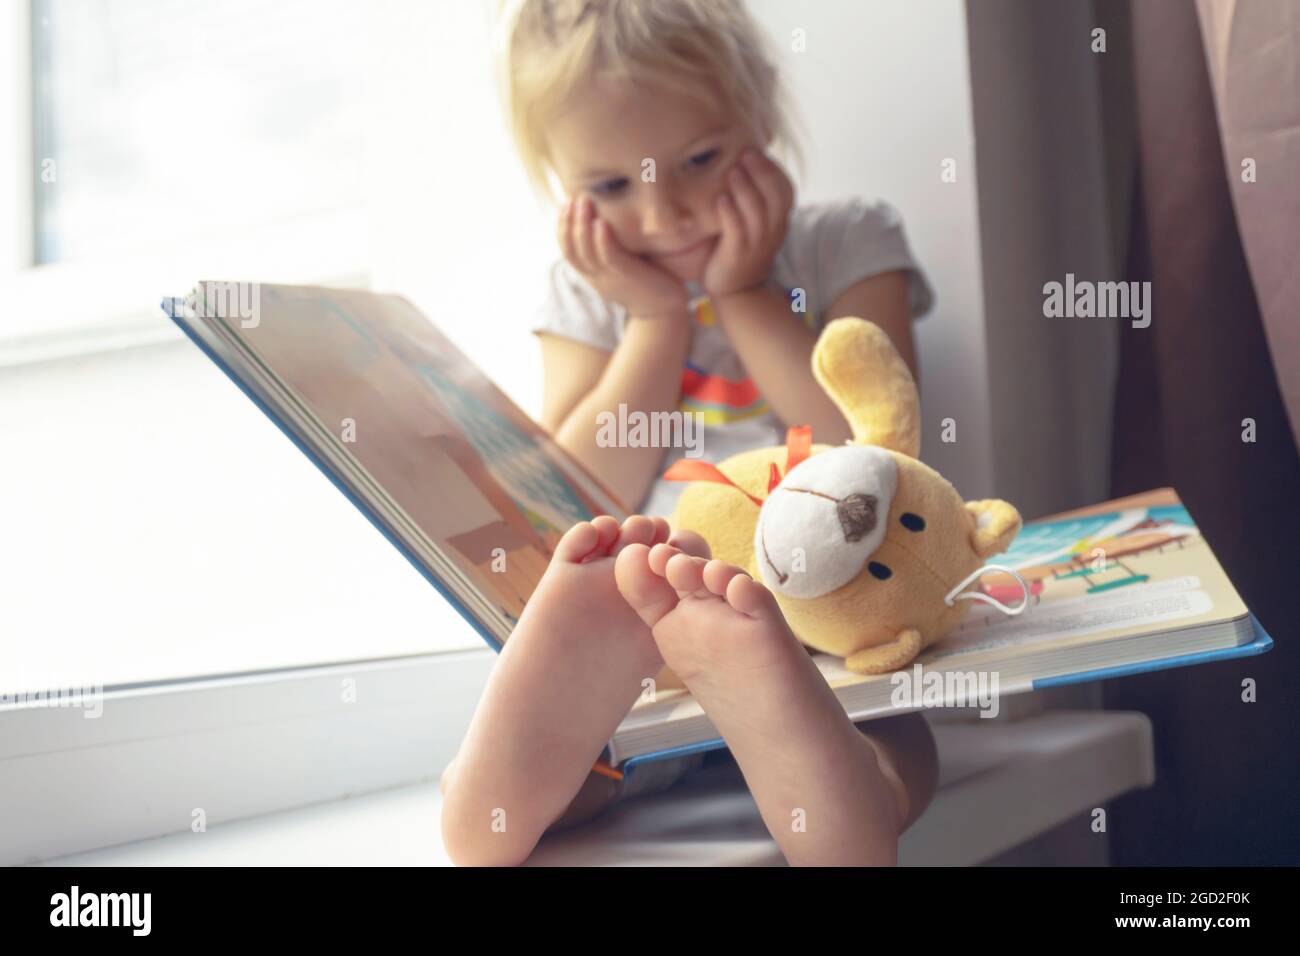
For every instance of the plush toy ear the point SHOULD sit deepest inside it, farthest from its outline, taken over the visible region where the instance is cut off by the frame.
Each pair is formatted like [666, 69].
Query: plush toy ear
[858, 367]
[996, 525]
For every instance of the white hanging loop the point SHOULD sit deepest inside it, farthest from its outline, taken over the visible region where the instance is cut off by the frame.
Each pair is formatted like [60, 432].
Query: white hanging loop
[954, 596]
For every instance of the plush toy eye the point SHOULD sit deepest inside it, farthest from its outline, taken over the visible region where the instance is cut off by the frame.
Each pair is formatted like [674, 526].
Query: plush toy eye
[912, 522]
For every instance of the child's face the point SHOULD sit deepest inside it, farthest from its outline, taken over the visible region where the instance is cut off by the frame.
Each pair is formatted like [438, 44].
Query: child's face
[600, 143]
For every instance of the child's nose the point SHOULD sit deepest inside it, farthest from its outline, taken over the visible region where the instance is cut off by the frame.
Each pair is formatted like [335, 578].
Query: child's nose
[665, 214]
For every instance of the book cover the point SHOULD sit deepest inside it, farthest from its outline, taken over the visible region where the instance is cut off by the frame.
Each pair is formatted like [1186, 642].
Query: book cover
[425, 443]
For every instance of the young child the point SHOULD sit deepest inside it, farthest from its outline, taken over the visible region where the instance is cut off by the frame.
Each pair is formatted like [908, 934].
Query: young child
[689, 281]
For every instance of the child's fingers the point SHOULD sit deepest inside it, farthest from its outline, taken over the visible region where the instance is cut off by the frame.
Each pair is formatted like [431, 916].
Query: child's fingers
[616, 260]
[608, 252]
[582, 235]
[750, 202]
[569, 229]
[564, 228]
[733, 228]
[613, 256]
[772, 184]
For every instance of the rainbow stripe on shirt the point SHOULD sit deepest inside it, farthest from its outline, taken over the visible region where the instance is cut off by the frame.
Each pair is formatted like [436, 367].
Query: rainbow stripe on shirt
[720, 400]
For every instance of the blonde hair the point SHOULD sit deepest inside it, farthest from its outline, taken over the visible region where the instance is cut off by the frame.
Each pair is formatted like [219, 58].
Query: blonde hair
[545, 48]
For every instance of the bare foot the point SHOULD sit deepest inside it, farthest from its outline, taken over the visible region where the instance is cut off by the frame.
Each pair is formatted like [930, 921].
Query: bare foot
[816, 779]
[566, 677]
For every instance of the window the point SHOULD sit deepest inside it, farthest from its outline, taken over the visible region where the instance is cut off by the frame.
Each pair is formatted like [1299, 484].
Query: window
[157, 119]
[164, 540]
[161, 141]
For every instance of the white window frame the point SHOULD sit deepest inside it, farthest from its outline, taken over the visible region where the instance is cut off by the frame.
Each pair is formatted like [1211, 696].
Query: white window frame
[77, 307]
[16, 115]
[160, 755]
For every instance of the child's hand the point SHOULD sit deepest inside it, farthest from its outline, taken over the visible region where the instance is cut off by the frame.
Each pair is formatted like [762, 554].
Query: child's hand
[643, 288]
[754, 210]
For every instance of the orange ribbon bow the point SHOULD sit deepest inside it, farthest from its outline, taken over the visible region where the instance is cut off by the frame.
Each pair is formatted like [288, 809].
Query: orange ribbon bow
[798, 446]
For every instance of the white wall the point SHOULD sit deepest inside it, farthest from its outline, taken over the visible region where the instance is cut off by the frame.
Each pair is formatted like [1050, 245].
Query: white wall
[455, 228]
[885, 91]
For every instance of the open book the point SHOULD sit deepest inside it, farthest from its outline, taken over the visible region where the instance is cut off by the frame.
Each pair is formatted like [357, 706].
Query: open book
[475, 495]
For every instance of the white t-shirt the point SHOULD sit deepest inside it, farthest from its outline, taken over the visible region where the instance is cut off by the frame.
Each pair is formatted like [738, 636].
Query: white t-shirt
[829, 247]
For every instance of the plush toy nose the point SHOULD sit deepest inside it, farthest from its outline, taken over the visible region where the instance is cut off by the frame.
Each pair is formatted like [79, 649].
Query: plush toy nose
[818, 527]
[857, 514]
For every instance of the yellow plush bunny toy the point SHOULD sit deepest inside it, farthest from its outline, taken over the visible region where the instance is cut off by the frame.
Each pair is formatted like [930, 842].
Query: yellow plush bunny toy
[864, 546]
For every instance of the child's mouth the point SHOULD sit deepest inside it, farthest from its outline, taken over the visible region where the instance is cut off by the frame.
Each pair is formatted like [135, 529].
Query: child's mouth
[688, 251]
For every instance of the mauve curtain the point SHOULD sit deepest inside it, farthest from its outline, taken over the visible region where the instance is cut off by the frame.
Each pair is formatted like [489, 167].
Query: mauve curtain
[1253, 53]
[1228, 779]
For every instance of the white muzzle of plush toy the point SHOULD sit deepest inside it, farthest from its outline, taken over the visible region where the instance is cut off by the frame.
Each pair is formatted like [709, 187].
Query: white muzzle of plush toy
[819, 526]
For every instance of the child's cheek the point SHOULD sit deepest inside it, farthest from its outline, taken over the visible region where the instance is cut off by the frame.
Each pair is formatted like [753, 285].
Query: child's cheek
[624, 230]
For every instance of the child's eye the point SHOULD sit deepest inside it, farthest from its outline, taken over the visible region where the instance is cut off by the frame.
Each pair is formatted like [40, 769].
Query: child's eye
[615, 186]
[703, 159]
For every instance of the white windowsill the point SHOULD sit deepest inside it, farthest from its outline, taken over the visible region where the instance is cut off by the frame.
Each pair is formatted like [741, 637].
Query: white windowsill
[1001, 783]
[113, 301]
[227, 749]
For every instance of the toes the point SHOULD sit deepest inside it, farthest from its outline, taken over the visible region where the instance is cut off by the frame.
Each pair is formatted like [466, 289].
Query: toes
[691, 543]
[607, 528]
[578, 542]
[749, 597]
[646, 592]
[685, 573]
[662, 530]
[638, 529]
[659, 557]
[718, 574]
[607, 525]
